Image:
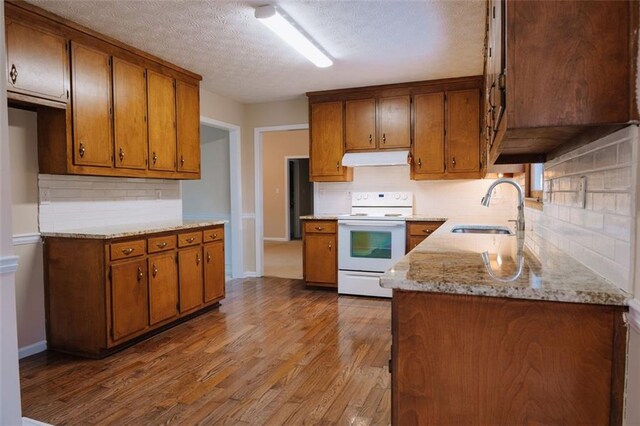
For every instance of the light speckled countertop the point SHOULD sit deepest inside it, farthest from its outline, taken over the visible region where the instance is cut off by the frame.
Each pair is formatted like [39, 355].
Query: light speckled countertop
[414, 218]
[454, 263]
[129, 230]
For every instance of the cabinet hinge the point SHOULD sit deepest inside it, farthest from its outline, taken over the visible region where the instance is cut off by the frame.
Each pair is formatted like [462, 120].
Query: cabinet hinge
[494, 12]
[502, 83]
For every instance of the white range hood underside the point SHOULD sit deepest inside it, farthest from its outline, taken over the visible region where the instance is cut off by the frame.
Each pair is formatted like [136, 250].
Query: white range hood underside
[379, 158]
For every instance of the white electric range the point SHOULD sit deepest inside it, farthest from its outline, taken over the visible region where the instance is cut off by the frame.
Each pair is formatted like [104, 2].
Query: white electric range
[371, 240]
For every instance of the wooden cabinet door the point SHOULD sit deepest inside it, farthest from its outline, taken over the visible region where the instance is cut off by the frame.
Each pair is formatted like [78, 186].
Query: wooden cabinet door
[360, 124]
[213, 271]
[327, 147]
[162, 121]
[130, 114]
[163, 287]
[428, 148]
[91, 98]
[129, 298]
[188, 124]
[190, 278]
[320, 258]
[394, 118]
[463, 131]
[37, 62]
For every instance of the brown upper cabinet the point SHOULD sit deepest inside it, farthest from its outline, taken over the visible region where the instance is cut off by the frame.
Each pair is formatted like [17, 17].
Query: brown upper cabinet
[558, 75]
[383, 123]
[438, 120]
[162, 122]
[37, 64]
[129, 113]
[326, 146]
[188, 106]
[91, 102]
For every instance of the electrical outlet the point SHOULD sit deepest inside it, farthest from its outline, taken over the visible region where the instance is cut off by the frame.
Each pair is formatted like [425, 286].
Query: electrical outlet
[582, 192]
[158, 194]
[45, 196]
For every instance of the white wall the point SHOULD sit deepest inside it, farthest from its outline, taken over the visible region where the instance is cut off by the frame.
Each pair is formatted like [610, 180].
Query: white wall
[605, 234]
[438, 198]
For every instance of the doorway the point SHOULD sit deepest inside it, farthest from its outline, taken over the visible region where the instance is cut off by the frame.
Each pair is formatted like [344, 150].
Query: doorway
[300, 195]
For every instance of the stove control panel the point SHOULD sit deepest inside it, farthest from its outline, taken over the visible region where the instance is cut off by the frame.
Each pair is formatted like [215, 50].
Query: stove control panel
[382, 199]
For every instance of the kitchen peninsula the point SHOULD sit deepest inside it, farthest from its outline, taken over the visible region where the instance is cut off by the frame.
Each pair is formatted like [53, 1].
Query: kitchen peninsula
[487, 332]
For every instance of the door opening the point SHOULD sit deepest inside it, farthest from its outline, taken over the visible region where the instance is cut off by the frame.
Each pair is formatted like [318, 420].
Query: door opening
[300, 195]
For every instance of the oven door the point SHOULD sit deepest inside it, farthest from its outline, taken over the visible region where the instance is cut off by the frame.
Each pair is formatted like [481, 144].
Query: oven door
[369, 245]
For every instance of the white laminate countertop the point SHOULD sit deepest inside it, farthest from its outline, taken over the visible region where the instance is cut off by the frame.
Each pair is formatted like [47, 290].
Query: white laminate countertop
[128, 230]
[454, 263]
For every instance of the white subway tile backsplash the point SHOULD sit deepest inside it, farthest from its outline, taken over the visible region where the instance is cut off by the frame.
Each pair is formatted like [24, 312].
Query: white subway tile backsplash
[598, 235]
[87, 201]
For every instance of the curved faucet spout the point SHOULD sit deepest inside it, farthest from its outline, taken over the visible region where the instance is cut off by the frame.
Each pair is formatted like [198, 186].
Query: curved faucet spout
[486, 200]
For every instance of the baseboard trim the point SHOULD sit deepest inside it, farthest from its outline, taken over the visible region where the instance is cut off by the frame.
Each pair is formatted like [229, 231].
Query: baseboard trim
[251, 274]
[277, 239]
[8, 265]
[31, 422]
[23, 239]
[634, 314]
[33, 349]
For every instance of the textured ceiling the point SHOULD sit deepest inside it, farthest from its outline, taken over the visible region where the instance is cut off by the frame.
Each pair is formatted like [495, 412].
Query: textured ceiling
[371, 42]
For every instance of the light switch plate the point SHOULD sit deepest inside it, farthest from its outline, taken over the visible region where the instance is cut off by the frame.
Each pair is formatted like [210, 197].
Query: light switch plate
[45, 196]
[582, 192]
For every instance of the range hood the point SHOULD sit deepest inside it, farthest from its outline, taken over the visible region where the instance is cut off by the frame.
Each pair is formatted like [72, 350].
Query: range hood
[377, 158]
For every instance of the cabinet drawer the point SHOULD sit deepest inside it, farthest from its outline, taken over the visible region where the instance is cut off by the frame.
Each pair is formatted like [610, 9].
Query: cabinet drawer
[127, 249]
[189, 239]
[422, 228]
[216, 234]
[321, 227]
[168, 242]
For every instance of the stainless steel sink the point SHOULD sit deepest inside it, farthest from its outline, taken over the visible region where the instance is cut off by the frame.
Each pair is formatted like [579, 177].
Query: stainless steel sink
[481, 229]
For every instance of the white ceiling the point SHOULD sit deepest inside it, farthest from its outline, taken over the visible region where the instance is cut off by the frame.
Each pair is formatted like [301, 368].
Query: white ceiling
[371, 42]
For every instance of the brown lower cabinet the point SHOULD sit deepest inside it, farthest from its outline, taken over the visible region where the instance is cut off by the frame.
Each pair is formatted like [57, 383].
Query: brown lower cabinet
[102, 294]
[417, 231]
[462, 360]
[320, 252]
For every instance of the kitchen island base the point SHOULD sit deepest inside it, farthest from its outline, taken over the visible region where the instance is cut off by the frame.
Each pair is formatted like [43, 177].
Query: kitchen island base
[459, 359]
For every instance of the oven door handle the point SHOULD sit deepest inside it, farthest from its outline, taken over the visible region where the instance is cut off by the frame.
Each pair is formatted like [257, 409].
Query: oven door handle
[379, 224]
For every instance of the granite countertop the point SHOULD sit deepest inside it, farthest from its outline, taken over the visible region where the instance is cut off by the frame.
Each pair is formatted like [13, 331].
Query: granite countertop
[412, 218]
[128, 230]
[498, 266]
[320, 217]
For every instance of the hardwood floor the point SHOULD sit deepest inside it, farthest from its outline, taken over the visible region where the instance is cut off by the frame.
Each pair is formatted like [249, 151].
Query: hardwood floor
[273, 353]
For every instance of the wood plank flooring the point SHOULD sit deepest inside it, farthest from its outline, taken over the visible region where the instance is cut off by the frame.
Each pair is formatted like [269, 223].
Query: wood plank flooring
[274, 353]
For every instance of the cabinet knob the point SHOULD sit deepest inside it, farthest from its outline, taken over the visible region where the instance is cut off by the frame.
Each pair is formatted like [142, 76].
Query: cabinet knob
[121, 155]
[426, 231]
[208, 257]
[453, 161]
[13, 74]
[337, 165]
[197, 258]
[420, 162]
[161, 245]
[319, 228]
[81, 150]
[370, 138]
[140, 274]
[154, 158]
[384, 138]
[330, 245]
[190, 239]
[127, 251]
[182, 160]
[155, 270]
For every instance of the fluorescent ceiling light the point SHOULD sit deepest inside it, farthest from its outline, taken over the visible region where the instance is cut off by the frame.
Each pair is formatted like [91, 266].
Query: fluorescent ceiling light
[270, 17]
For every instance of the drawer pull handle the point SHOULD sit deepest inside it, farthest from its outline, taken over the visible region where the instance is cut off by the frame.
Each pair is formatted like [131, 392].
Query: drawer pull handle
[127, 251]
[208, 257]
[140, 274]
[13, 74]
[190, 239]
[161, 245]
[155, 270]
[121, 155]
[197, 258]
[213, 236]
[370, 139]
[384, 138]
[426, 231]
[81, 150]
[319, 228]
[154, 158]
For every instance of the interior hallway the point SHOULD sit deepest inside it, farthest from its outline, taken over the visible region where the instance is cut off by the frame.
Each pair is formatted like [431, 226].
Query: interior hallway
[283, 259]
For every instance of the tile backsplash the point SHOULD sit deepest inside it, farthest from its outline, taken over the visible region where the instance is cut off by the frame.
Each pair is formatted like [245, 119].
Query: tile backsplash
[71, 202]
[600, 234]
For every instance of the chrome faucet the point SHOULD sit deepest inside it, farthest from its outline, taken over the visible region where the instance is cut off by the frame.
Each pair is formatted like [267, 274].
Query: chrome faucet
[486, 200]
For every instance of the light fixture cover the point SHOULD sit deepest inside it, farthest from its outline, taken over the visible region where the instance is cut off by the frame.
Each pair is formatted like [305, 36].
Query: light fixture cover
[273, 20]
